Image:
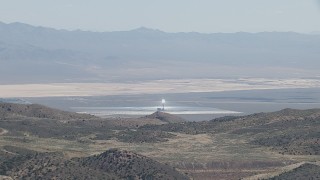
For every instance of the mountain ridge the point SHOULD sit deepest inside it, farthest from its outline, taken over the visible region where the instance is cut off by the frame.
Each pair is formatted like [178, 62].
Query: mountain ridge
[148, 54]
[145, 29]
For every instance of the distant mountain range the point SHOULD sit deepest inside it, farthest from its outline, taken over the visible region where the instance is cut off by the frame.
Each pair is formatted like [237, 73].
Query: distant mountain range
[30, 54]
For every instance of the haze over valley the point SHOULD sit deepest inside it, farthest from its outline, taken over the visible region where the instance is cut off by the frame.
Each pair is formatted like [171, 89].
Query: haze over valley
[40, 62]
[153, 90]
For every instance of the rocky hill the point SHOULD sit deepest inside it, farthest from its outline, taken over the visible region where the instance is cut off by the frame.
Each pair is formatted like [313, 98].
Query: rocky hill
[142, 134]
[38, 111]
[288, 131]
[44, 122]
[112, 164]
[128, 165]
[166, 117]
[255, 144]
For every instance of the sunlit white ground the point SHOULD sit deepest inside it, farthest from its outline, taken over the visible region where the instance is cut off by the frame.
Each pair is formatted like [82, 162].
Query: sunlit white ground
[152, 87]
[111, 111]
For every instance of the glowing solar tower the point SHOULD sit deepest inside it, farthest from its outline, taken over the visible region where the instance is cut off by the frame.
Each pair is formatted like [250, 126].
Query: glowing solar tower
[163, 101]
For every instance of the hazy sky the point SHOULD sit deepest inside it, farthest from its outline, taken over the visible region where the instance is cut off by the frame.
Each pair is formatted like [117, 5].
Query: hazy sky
[167, 15]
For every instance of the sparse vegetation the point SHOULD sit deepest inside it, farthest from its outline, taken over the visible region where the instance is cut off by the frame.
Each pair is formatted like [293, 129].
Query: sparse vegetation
[222, 148]
[144, 136]
[112, 164]
[306, 171]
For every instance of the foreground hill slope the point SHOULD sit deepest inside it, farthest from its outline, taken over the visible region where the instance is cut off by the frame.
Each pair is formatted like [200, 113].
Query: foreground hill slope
[223, 148]
[128, 165]
[112, 164]
[305, 171]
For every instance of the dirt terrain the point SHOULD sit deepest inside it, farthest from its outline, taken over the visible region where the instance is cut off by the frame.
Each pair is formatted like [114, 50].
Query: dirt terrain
[275, 145]
[3, 131]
